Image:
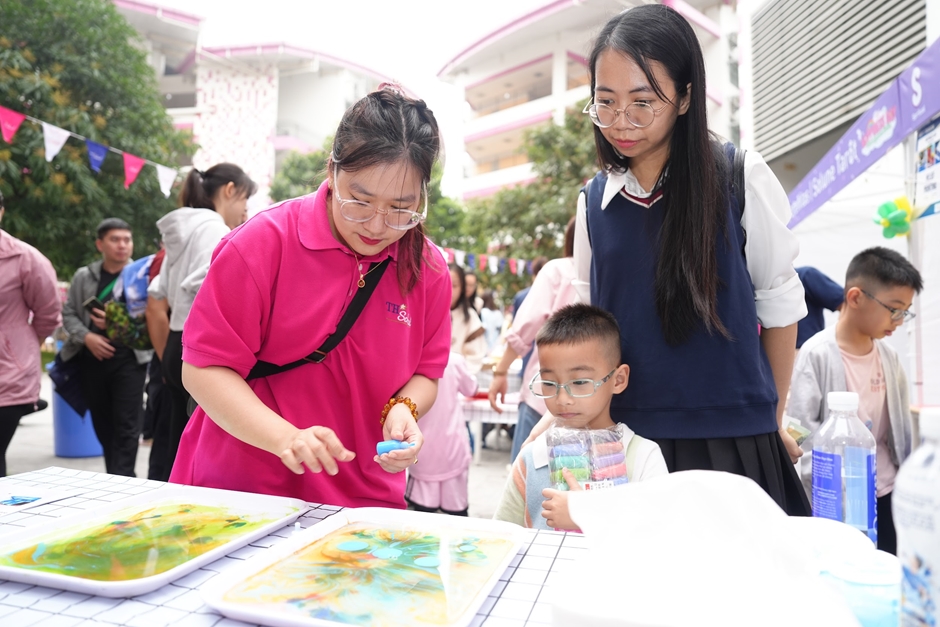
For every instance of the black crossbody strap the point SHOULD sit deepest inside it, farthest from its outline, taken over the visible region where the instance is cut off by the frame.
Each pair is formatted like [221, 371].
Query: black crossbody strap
[266, 369]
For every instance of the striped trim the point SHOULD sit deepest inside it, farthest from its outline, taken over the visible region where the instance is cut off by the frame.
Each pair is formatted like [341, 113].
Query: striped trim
[645, 202]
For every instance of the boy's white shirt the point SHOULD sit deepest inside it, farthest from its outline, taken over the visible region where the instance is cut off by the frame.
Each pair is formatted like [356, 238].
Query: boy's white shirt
[770, 248]
[819, 369]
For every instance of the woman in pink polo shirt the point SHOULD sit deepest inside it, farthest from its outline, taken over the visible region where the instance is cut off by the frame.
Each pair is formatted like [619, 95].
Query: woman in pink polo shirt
[276, 289]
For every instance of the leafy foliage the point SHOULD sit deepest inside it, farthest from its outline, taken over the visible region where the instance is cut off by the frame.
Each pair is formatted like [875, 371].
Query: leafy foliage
[72, 63]
[301, 174]
[529, 220]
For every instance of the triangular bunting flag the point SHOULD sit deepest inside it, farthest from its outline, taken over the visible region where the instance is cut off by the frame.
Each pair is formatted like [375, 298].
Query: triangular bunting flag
[460, 257]
[482, 259]
[493, 263]
[166, 176]
[10, 122]
[512, 266]
[96, 154]
[520, 267]
[132, 167]
[54, 138]
[449, 255]
[470, 259]
[929, 211]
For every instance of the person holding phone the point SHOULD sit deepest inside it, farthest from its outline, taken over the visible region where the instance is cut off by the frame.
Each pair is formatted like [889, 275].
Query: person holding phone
[112, 376]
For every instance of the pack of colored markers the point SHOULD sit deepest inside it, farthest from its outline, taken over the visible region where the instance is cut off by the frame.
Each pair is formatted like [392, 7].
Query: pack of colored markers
[595, 457]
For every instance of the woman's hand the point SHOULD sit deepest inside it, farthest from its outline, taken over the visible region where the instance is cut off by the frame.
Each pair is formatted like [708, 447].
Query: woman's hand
[498, 387]
[540, 427]
[318, 448]
[400, 425]
[792, 447]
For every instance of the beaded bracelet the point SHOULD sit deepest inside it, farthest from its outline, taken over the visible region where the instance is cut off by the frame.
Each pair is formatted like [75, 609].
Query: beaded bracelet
[394, 401]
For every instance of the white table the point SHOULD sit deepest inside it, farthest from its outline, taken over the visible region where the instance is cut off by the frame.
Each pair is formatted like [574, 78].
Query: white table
[476, 411]
[521, 599]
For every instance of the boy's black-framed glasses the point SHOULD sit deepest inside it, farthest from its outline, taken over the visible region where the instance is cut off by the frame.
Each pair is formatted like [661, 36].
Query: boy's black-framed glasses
[576, 388]
[896, 314]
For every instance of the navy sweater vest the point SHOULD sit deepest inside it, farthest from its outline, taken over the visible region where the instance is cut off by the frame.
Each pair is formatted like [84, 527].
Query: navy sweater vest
[706, 387]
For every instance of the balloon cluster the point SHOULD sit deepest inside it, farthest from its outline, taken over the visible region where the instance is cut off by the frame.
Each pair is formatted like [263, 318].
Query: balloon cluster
[894, 217]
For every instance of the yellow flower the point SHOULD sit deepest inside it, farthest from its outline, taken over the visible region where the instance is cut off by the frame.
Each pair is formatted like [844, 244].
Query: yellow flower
[15, 73]
[59, 179]
[99, 121]
[28, 55]
[60, 97]
[5, 43]
[5, 154]
[51, 81]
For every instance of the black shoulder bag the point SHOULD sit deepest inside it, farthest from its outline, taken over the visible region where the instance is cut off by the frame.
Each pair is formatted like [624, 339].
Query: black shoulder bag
[266, 369]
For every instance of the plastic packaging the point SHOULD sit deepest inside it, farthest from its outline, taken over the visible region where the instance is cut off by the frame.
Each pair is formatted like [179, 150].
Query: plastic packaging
[916, 509]
[868, 581]
[596, 457]
[844, 467]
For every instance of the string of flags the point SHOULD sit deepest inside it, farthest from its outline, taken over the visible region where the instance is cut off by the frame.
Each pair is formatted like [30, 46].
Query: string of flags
[491, 263]
[54, 139]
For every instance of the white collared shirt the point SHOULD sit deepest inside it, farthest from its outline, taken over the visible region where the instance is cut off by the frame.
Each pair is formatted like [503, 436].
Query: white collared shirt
[770, 249]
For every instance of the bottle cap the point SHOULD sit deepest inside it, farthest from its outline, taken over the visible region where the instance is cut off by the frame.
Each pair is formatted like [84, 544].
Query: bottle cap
[929, 423]
[842, 401]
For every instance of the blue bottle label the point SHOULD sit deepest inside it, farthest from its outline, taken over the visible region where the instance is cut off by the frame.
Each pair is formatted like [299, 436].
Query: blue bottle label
[827, 485]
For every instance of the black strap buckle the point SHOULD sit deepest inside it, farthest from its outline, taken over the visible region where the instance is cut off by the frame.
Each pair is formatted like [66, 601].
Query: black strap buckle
[315, 357]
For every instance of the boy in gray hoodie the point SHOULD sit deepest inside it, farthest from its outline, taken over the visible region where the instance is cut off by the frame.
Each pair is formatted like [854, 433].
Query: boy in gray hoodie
[880, 285]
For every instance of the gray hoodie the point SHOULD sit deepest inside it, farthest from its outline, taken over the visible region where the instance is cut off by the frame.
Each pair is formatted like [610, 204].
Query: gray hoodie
[189, 235]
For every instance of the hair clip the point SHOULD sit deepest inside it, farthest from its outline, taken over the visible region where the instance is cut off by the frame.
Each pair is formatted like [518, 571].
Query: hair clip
[391, 86]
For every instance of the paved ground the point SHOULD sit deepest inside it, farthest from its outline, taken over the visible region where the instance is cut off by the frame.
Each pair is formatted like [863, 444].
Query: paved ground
[32, 448]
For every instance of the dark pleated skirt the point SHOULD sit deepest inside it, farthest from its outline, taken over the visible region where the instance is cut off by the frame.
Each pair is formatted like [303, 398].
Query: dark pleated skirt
[762, 458]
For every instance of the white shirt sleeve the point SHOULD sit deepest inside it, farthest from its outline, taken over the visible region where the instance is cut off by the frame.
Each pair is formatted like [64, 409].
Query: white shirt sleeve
[771, 247]
[582, 253]
[157, 287]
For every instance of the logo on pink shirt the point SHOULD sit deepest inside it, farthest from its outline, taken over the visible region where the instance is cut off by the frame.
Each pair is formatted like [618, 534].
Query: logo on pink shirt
[399, 311]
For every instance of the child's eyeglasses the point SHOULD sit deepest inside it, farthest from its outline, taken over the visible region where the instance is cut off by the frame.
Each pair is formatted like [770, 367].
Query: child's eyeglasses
[576, 388]
[896, 314]
[639, 114]
[398, 219]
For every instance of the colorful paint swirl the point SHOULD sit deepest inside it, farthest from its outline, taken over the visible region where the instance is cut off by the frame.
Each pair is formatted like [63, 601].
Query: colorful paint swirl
[363, 575]
[137, 543]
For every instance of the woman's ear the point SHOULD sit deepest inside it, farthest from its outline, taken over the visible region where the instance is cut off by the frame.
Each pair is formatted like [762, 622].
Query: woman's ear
[621, 378]
[229, 191]
[686, 100]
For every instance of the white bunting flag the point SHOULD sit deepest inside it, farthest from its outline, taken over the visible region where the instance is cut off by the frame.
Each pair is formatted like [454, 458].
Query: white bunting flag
[459, 257]
[166, 176]
[493, 262]
[54, 138]
[520, 267]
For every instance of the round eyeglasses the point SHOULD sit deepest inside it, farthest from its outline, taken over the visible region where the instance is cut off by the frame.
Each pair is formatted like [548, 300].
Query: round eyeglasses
[639, 114]
[896, 314]
[398, 219]
[576, 388]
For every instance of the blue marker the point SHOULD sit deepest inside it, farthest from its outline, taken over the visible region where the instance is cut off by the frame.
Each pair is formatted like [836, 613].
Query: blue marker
[392, 445]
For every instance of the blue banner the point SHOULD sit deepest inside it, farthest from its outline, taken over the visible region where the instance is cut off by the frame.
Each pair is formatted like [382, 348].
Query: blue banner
[96, 154]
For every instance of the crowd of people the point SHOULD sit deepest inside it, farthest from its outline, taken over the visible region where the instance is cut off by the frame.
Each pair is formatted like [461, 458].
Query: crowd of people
[287, 346]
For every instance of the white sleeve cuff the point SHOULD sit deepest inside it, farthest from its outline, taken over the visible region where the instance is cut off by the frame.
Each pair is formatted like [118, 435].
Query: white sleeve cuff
[781, 306]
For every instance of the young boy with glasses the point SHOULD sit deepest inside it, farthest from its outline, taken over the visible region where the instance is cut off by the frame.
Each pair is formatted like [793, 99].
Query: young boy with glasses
[880, 285]
[580, 371]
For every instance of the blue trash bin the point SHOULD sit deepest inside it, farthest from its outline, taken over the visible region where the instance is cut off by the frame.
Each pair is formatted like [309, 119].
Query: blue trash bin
[74, 435]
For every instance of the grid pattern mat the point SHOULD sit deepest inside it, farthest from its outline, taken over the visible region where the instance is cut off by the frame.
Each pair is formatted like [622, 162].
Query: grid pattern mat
[520, 599]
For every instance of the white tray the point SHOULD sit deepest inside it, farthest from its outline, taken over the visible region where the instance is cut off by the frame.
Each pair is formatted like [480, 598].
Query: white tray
[362, 580]
[141, 545]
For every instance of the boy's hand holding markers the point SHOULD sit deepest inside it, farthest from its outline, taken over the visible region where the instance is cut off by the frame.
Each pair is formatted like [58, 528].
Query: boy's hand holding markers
[555, 507]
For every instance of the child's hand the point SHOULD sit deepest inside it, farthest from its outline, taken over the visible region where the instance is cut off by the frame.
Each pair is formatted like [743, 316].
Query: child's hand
[555, 507]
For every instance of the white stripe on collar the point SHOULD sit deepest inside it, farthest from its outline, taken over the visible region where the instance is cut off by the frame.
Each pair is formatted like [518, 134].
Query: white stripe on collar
[617, 181]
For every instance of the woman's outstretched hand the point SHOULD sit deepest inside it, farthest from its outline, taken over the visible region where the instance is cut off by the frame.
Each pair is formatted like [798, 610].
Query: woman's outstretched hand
[400, 425]
[318, 448]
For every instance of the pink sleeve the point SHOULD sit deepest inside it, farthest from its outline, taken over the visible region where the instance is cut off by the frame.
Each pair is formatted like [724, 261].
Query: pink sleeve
[437, 321]
[224, 326]
[535, 310]
[41, 294]
[466, 382]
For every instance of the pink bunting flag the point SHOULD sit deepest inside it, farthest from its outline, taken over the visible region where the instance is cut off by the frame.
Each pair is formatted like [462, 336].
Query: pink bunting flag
[482, 259]
[449, 255]
[512, 266]
[10, 122]
[132, 167]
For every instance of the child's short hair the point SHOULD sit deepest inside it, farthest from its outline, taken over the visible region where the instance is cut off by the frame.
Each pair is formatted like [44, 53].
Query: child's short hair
[884, 267]
[579, 323]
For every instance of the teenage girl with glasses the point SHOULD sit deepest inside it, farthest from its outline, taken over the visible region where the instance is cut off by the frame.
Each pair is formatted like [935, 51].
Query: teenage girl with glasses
[660, 243]
[311, 432]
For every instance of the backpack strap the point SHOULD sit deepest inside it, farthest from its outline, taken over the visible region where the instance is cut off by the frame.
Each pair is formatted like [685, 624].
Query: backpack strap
[266, 369]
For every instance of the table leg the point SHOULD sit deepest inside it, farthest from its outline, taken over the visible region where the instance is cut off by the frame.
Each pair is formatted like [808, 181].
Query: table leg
[476, 428]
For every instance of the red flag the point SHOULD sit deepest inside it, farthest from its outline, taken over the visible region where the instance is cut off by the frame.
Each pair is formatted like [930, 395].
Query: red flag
[482, 259]
[512, 266]
[10, 123]
[132, 167]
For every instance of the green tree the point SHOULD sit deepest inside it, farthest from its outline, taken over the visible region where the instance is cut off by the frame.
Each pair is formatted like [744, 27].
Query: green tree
[301, 174]
[72, 63]
[527, 221]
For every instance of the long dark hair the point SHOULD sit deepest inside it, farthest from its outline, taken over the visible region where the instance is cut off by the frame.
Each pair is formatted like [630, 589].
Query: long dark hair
[693, 179]
[387, 127]
[463, 303]
[200, 188]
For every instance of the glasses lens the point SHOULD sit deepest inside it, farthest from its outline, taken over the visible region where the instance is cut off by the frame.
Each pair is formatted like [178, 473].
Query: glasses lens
[544, 389]
[581, 387]
[603, 115]
[640, 114]
[357, 211]
[402, 219]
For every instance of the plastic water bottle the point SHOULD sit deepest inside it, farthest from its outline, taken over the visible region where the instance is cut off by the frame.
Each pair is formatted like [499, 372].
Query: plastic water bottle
[916, 508]
[844, 467]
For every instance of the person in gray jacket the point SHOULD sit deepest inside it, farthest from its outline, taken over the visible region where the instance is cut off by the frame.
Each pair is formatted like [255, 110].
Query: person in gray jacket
[112, 376]
[880, 286]
[212, 203]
